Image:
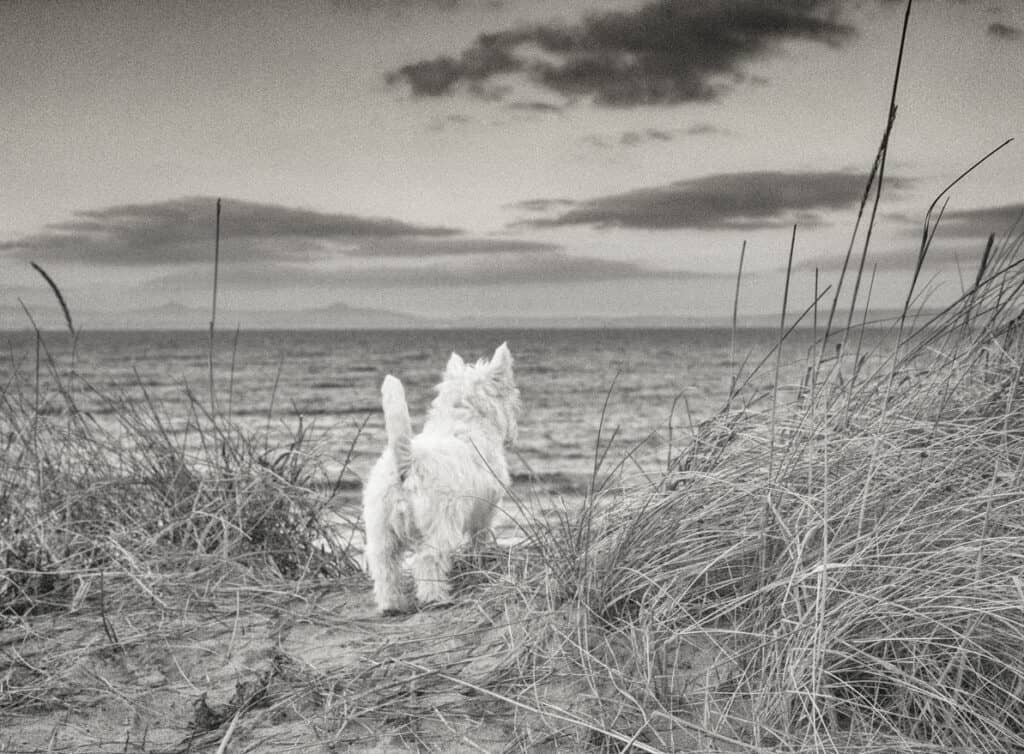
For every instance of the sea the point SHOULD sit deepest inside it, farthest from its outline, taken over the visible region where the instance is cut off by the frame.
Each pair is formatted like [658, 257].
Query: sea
[591, 398]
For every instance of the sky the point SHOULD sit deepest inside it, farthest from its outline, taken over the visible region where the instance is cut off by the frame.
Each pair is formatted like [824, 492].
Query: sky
[490, 161]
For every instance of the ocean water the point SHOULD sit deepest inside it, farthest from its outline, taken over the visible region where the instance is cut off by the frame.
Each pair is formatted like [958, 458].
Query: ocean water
[574, 383]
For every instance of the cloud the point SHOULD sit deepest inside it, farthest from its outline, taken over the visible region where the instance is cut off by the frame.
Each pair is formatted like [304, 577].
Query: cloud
[629, 138]
[960, 239]
[1004, 31]
[180, 231]
[522, 268]
[594, 140]
[705, 129]
[536, 106]
[634, 138]
[665, 52]
[729, 201]
[455, 119]
[429, 247]
[902, 259]
[542, 205]
[375, 6]
[980, 222]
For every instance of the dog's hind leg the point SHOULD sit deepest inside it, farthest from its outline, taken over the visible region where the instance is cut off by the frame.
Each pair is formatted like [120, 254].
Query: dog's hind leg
[384, 562]
[445, 532]
[430, 568]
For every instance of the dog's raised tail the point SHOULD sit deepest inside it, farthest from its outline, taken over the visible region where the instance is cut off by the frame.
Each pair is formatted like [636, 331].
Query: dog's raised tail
[397, 424]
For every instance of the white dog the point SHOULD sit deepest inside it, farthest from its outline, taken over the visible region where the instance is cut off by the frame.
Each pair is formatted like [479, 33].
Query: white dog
[435, 492]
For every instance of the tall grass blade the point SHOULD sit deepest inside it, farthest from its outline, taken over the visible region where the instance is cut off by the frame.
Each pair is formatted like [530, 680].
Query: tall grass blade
[60, 297]
[213, 310]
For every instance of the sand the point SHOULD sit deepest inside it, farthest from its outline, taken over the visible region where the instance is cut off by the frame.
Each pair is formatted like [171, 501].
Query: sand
[247, 667]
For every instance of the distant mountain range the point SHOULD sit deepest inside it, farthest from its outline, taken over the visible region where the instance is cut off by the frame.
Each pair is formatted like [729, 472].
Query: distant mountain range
[178, 317]
[343, 317]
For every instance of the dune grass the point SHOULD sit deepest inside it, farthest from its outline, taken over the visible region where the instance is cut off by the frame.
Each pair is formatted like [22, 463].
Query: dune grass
[856, 574]
[138, 497]
[834, 567]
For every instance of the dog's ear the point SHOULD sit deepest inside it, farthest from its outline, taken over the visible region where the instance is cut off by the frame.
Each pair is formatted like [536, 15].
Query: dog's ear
[501, 362]
[455, 365]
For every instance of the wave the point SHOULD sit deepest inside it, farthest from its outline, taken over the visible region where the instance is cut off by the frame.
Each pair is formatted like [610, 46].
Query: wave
[551, 481]
[280, 413]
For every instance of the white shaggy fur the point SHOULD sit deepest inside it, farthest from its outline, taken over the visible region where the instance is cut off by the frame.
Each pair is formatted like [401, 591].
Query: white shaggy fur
[436, 492]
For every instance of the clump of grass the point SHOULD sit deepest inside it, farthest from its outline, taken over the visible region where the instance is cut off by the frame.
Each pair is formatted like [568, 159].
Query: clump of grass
[136, 499]
[839, 572]
[849, 566]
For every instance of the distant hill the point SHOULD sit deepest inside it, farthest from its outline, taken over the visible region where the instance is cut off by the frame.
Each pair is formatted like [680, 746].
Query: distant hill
[340, 316]
[177, 317]
[880, 317]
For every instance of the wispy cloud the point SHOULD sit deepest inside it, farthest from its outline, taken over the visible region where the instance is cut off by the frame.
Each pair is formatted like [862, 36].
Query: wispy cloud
[635, 138]
[705, 129]
[536, 106]
[727, 201]
[960, 238]
[981, 221]
[509, 269]
[639, 137]
[181, 231]
[665, 52]
[436, 247]
[448, 121]
[1004, 31]
[542, 205]
[376, 6]
[975, 223]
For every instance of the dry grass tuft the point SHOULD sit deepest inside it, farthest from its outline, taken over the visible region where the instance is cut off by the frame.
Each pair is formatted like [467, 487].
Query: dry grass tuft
[855, 577]
[135, 502]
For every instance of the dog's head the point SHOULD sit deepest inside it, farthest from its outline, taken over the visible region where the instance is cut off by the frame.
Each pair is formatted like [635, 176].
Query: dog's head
[485, 390]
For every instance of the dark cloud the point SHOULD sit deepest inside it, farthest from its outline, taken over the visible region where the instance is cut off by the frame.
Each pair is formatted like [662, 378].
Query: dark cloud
[665, 52]
[960, 239]
[180, 231]
[634, 138]
[980, 222]
[705, 129]
[1004, 31]
[727, 201]
[656, 135]
[542, 205]
[536, 106]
